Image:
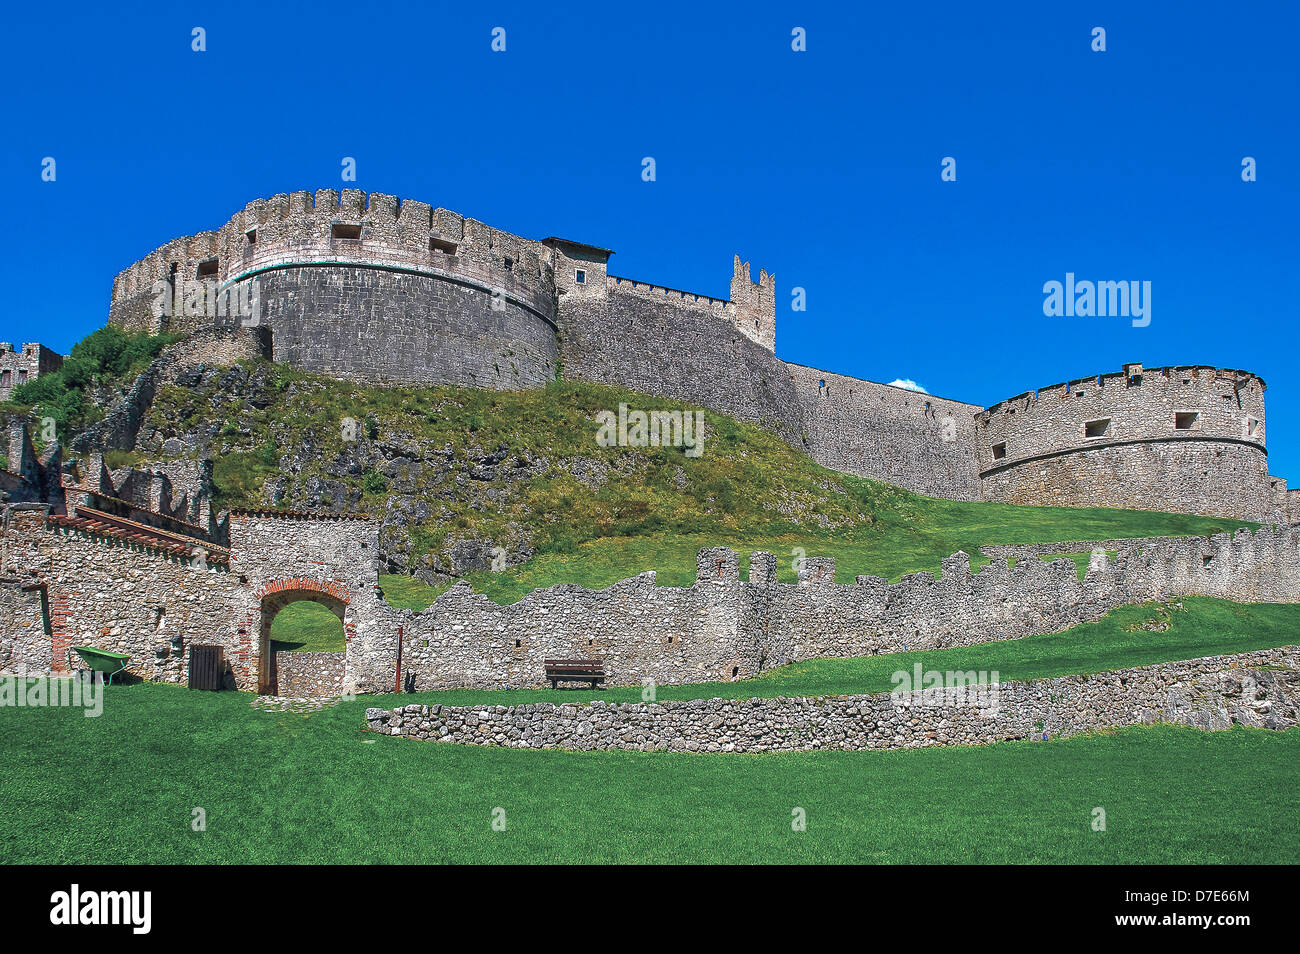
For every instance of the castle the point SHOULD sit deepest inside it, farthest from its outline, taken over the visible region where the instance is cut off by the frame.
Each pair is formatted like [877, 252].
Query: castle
[372, 289]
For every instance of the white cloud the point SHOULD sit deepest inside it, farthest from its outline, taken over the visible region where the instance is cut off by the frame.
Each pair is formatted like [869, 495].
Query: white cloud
[909, 384]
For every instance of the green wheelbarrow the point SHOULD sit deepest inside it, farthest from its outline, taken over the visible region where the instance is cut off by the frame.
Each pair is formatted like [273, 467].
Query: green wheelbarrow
[102, 660]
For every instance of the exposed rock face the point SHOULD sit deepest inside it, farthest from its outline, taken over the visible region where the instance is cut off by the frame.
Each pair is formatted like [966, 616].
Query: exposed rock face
[1210, 693]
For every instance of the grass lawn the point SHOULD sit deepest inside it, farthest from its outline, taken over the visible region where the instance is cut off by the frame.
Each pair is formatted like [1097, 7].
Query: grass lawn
[1203, 627]
[289, 788]
[281, 788]
[307, 627]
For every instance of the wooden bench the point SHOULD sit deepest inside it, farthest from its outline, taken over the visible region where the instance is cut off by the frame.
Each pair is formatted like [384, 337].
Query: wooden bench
[574, 670]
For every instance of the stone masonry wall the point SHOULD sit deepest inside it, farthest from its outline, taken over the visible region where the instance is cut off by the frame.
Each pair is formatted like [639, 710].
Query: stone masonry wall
[283, 557]
[723, 628]
[123, 597]
[24, 364]
[134, 597]
[304, 675]
[389, 327]
[902, 437]
[1179, 439]
[1178, 476]
[662, 342]
[24, 632]
[1209, 693]
[368, 287]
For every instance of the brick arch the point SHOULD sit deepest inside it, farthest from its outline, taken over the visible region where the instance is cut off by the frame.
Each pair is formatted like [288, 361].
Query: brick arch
[305, 584]
[274, 596]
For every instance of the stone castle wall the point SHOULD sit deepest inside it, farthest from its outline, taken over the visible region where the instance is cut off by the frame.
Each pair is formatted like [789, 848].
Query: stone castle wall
[153, 599]
[1209, 693]
[113, 594]
[1181, 439]
[723, 628]
[24, 631]
[285, 557]
[903, 437]
[307, 675]
[387, 327]
[650, 340]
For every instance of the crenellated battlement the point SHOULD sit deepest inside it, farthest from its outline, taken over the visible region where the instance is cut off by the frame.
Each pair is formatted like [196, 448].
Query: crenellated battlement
[333, 227]
[1133, 439]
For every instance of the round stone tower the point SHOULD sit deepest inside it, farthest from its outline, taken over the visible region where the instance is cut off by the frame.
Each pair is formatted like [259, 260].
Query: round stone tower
[362, 287]
[1177, 439]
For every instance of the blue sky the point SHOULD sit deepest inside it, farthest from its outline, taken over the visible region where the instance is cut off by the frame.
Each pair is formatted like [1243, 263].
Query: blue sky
[822, 166]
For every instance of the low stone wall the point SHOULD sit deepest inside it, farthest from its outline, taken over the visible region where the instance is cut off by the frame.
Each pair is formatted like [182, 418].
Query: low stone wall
[309, 674]
[1209, 693]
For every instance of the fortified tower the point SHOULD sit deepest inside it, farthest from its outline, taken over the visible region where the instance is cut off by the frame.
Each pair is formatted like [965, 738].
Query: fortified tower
[1182, 439]
[755, 313]
[25, 364]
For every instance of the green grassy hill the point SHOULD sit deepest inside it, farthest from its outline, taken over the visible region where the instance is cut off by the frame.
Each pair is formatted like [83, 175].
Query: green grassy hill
[512, 491]
[522, 472]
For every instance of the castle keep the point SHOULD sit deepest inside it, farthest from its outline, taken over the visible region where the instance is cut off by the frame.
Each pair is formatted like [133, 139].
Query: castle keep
[371, 288]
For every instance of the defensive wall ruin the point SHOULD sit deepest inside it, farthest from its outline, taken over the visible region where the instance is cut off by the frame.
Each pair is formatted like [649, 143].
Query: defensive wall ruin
[153, 590]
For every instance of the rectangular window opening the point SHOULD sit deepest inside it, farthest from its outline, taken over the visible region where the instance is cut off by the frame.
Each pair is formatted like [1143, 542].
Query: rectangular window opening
[579, 276]
[345, 233]
[1000, 450]
[207, 269]
[442, 246]
[1185, 420]
[1098, 428]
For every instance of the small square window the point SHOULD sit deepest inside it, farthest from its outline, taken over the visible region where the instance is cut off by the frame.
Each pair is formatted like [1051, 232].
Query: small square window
[1000, 450]
[440, 245]
[1185, 420]
[1098, 428]
[207, 269]
[346, 233]
[251, 236]
[1252, 427]
[579, 276]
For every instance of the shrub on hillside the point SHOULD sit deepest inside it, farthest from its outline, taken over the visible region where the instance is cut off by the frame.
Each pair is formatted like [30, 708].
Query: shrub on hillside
[108, 356]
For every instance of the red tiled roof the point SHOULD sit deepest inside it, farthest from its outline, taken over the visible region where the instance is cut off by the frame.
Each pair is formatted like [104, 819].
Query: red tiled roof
[126, 503]
[131, 525]
[145, 536]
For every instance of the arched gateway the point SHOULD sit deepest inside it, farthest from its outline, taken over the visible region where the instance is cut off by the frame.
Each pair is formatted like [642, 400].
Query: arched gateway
[283, 557]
